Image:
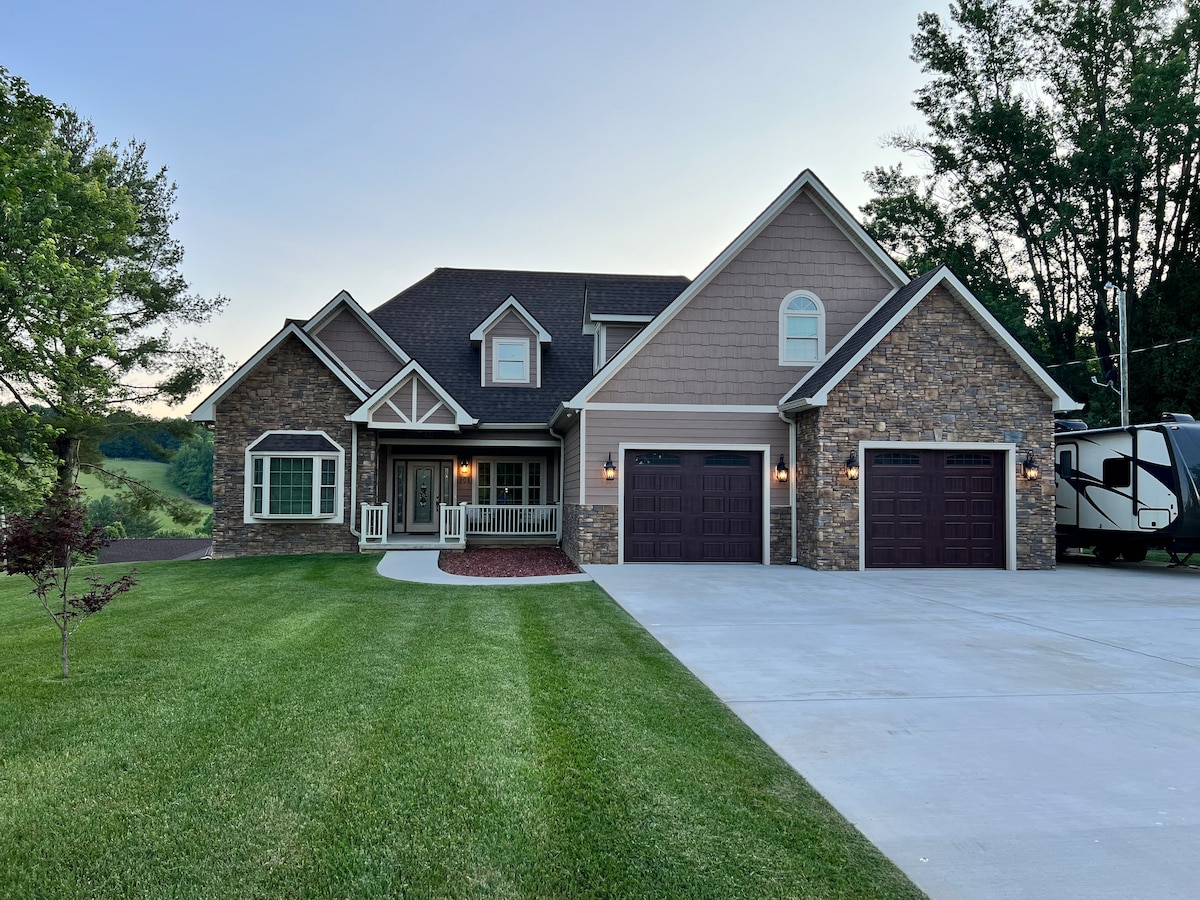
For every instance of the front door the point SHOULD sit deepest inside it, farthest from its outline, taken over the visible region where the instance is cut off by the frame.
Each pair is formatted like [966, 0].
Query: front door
[421, 485]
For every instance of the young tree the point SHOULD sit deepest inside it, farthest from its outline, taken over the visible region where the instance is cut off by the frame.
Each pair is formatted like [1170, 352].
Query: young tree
[90, 287]
[1062, 146]
[45, 546]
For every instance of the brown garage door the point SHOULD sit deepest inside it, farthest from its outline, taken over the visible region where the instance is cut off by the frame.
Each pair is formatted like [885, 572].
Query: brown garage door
[934, 509]
[693, 506]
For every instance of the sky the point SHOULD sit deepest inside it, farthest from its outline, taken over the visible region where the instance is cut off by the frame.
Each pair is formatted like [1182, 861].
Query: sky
[360, 145]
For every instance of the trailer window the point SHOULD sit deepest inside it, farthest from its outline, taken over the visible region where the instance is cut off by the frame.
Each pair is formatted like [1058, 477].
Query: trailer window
[1118, 472]
[1064, 464]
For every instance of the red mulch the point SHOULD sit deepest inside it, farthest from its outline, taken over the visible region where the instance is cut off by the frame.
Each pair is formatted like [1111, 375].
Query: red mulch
[506, 562]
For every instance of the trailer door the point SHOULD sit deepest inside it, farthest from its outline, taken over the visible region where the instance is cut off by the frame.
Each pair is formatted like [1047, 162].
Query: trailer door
[1066, 496]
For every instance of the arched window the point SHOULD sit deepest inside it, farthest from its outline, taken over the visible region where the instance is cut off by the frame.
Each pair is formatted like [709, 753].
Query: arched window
[801, 329]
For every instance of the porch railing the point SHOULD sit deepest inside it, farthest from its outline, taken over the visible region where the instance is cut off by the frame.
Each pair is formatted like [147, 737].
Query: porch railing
[452, 524]
[374, 523]
[457, 523]
[514, 521]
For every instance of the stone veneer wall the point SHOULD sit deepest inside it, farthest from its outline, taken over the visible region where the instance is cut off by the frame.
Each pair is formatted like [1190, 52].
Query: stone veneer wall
[938, 377]
[590, 533]
[289, 390]
[781, 535]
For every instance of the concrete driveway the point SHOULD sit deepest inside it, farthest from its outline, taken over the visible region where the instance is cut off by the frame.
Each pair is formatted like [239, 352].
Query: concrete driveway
[996, 734]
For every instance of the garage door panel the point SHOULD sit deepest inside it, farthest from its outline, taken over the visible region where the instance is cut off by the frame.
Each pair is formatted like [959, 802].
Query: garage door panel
[708, 503]
[934, 508]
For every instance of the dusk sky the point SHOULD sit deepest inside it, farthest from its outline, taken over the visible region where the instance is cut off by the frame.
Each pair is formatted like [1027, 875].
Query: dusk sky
[360, 145]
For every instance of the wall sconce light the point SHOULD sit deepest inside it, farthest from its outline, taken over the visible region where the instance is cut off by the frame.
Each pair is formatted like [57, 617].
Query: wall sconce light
[610, 468]
[464, 468]
[852, 466]
[1029, 467]
[781, 470]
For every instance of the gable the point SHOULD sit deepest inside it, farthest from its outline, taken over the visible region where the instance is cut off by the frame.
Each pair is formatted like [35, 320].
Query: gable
[348, 339]
[722, 346]
[893, 313]
[515, 329]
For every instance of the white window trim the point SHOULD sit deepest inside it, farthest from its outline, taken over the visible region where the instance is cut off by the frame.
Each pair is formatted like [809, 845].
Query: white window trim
[497, 343]
[337, 517]
[525, 461]
[783, 317]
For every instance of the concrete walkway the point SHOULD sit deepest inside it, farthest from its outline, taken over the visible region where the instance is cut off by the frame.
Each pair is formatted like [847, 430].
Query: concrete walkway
[421, 566]
[998, 735]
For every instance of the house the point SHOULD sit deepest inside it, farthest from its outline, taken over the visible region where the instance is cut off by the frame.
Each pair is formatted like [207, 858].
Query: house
[802, 400]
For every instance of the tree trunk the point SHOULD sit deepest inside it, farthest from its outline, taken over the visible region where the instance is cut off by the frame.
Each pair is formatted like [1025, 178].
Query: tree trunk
[67, 448]
[65, 636]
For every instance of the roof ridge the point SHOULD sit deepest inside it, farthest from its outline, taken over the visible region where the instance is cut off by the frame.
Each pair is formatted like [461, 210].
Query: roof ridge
[558, 272]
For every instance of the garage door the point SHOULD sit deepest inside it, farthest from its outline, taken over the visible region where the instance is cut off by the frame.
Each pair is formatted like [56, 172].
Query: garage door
[934, 509]
[693, 506]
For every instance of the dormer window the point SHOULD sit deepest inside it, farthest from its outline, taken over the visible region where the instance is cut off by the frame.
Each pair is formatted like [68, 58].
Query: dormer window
[801, 329]
[510, 360]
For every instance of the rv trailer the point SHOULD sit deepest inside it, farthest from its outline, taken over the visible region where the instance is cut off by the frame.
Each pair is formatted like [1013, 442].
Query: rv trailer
[1123, 491]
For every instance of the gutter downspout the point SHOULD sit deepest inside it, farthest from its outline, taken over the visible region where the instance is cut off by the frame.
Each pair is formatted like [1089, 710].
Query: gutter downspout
[791, 423]
[562, 474]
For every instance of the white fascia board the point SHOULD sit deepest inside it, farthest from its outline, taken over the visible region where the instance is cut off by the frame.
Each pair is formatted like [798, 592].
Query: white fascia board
[363, 413]
[685, 407]
[831, 206]
[623, 320]
[327, 312]
[206, 411]
[1063, 401]
[514, 304]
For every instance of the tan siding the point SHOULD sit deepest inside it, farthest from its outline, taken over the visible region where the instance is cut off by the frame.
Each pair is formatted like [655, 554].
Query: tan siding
[571, 464]
[608, 429]
[724, 346]
[351, 341]
[510, 325]
[616, 337]
[443, 416]
[384, 413]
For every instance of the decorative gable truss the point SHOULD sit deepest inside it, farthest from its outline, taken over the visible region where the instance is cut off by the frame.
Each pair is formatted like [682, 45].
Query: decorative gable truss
[412, 401]
[510, 347]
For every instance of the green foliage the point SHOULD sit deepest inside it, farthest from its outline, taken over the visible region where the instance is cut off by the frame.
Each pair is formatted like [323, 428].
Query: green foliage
[115, 515]
[90, 287]
[135, 437]
[1061, 144]
[192, 467]
[301, 727]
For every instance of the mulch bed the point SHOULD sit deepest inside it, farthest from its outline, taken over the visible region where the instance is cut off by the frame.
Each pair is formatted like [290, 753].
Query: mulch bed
[507, 562]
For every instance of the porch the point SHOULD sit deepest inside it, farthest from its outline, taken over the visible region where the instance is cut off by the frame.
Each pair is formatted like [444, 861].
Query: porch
[466, 522]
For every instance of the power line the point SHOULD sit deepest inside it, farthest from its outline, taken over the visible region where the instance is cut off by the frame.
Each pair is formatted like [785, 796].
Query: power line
[1081, 362]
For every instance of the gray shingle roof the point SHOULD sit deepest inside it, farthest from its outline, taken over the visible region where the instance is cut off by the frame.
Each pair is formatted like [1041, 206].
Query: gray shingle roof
[820, 377]
[432, 321]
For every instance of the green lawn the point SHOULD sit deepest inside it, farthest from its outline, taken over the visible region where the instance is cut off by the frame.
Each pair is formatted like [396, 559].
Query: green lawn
[301, 727]
[151, 473]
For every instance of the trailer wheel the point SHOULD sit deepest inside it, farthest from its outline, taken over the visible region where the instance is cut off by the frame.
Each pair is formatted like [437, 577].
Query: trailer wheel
[1107, 553]
[1133, 552]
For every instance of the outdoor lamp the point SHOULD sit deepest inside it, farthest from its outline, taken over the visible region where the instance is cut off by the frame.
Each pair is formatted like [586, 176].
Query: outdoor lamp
[464, 467]
[1030, 468]
[610, 468]
[852, 466]
[781, 470]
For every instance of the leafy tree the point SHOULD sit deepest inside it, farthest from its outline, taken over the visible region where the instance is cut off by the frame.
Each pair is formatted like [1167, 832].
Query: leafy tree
[1062, 152]
[121, 520]
[192, 467]
[130, 436]
[45, 546]
[90, 288]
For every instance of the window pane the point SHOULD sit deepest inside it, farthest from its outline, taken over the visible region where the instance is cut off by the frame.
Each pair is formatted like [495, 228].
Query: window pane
[512, 352]
[968, 459]
[328, 472]
[800, 349]
[802, 304]
[802, 326]
[256, 482]
[291, 487]
[726, 459]
[657, 459]
[511, 371]
[509, 483]
[897, 459]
